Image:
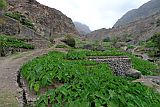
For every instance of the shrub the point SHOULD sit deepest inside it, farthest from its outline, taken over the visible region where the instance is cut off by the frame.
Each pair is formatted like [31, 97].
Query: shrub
[107, 39]
[23, 20]
[3, 4]
[130, 47]
[70, 41]
[158, 22]
[61, 46]
[156, 40]
[154, 45]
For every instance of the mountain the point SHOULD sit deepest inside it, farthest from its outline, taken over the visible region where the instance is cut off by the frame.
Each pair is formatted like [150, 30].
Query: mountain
[46, 19]
[140, 28]
[82, 28]
[38, 24]
[147, 9]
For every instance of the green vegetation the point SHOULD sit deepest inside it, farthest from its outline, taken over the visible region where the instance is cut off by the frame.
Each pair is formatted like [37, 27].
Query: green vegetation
[130, 46]
[7, 41]
[158, 22]
[61, 46]
[76, 55]
[153, 44]
[107, 39]
[156, 40]
[3, 4]
[145, 67]
[86, 83]
[21, 18]
[70, 41]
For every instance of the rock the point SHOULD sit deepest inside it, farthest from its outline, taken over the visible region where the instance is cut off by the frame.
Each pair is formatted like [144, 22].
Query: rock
[120, 44]
[82, 28]
[125, 48]
[143, 11]
[119, 64]
[141, 29]
[133, 73]
[148, 83]
[155, 79]
[100, 48]
[88, 46]
[47, 21]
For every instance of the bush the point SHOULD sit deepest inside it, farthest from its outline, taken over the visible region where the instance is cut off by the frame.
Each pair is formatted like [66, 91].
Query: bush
[156, 40]
[3, 4]
[61, 46]
[70, 41]
[158, 22]
[23, 20]
[154, 45]
[130, 47]
[107, 39]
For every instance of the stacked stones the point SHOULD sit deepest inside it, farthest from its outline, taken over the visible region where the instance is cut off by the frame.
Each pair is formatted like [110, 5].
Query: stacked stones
[121, 65]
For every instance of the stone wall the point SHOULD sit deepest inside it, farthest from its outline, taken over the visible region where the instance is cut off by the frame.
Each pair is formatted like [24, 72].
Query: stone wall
[119, 64]
[12, 27]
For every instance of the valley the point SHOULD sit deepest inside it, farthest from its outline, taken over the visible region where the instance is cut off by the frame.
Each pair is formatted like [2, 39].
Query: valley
[45, 61]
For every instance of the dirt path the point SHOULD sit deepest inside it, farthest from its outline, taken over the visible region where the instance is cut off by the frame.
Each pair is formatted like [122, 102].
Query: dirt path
[144, 56]
[9, 67]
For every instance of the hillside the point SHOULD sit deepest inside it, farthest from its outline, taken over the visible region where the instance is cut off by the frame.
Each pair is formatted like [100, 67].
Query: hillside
[82, 28]
[148, 9]
[139, 30]
[47, 21]
[45, 63]
[30, 20]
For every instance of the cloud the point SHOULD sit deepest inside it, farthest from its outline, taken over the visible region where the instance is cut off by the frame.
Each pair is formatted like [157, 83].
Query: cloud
[94, 13]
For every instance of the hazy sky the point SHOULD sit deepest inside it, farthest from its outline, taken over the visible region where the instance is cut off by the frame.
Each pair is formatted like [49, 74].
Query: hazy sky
[94, 13]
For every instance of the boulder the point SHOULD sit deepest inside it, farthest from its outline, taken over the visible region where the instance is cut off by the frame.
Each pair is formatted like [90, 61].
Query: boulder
[133, 73]
[120, 44]
[148, 83]
[100, 48]
[88, 46]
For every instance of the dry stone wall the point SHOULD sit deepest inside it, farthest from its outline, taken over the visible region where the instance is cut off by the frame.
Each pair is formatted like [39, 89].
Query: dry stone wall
[119, 64]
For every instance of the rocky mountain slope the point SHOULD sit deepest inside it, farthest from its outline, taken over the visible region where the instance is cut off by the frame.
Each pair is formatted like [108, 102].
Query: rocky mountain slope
[30, 19]
[139, 30]
[148, 9]
[82, 28]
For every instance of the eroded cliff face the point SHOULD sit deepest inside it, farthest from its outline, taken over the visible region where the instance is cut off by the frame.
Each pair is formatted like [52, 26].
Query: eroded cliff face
[47, 21]
[147, 9]
[140, 30]
[82, 28]
[140, 24]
